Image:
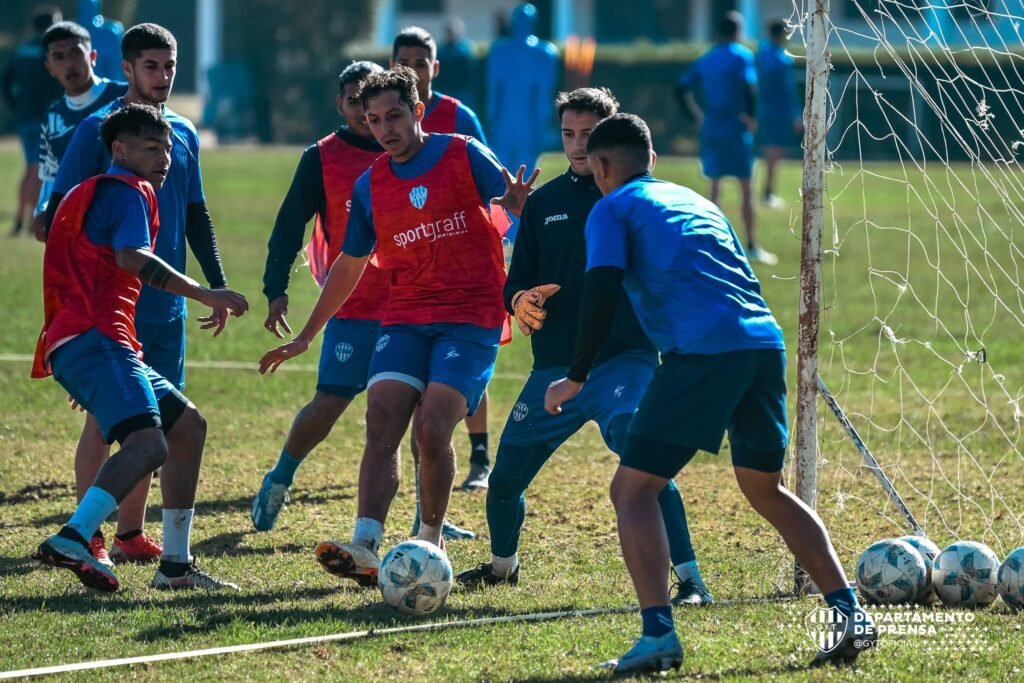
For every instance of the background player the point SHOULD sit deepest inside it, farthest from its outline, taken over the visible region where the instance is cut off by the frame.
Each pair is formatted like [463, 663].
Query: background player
[149, 61]
[70, 59]
[424, 212]
[779, 116]
[322, 187]
[97, 253]
[727, 80]
[550, 248]
[415, 48]
[723, 367]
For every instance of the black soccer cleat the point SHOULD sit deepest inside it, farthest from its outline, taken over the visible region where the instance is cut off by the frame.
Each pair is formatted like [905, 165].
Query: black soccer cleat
[483, 575]
[692, 593]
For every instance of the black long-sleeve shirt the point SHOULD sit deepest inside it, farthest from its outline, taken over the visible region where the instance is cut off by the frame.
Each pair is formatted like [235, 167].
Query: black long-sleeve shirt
[551, 248]
[305, 198]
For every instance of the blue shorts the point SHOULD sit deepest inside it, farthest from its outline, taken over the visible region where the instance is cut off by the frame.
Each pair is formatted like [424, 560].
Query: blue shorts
[345, 356]
[119, 390]
[163, 349]
[776, 132]
[614, 388]
[29, 132]
[459, 355]
[694, 400]
[726, 151]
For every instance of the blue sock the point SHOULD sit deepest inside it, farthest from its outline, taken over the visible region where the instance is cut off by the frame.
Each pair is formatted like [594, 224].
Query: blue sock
[284, 470]
[95, 507]
[674, 515]
[657, 621]
[844, 600]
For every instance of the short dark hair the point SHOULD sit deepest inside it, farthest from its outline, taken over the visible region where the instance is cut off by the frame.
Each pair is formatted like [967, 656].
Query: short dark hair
[355, 72]
[414, 36]
[66, 30]
[778, 28]
[729, 25]
[44, 17]
[133, 119]
[399, 78]
[598, 101]
[142, 37]
[627, 132]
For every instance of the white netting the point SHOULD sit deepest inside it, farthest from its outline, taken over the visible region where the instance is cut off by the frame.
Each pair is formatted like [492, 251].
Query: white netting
[922, 304]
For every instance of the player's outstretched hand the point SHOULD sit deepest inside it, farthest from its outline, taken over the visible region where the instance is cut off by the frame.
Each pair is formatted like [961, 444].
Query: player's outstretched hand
[529, 307]
[558, 393]
[217, 320]
[516, 190]
[273, 358]
[276, 312]
[227, 299]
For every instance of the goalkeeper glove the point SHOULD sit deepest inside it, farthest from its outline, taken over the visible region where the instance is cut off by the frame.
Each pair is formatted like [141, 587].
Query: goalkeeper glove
[528, 305]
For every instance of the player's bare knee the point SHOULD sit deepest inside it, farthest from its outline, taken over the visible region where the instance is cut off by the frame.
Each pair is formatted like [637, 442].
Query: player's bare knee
[328, 407]
[433, 434]
[148, 444]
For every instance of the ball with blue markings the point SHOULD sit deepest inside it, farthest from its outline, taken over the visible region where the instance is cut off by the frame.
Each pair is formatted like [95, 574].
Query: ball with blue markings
[1011, 579]
[415, 577]
[965, 575]
[890, 572]
[928, 552]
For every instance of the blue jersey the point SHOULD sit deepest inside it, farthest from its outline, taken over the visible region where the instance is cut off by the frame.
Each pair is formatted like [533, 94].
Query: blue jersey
[466, 121]
[87, 156]
[118, 215]
[723, 75]
[59, 125]
[360, 237]
[777, 98]
[685, 271]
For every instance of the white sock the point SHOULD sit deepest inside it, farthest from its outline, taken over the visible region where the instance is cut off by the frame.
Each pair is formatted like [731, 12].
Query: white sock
[177, 535]
[368, 532]
[95, 507]
[430, 534]
[504, 566]
[689, 570]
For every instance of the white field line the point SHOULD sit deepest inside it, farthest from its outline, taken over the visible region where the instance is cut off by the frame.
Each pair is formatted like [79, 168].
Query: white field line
[341, 637]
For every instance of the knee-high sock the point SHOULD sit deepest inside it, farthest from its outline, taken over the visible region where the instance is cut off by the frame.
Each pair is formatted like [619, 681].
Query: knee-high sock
[514, 468]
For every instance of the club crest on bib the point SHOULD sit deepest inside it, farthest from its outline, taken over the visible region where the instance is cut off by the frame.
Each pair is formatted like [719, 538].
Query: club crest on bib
[418, 196]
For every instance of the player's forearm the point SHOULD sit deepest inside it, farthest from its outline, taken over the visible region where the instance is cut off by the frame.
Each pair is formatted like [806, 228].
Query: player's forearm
[342, 279]
[601, 291]
[155, 272]
[691, 106]
[203, 242]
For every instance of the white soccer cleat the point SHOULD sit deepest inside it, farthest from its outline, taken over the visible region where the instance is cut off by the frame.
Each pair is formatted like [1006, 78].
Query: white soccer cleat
[194, 577]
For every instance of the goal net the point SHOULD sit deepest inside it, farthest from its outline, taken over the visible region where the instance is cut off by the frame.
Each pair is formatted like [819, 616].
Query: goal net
[921, 336]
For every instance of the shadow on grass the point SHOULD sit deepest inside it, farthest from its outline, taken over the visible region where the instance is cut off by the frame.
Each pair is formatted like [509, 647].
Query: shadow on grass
[229, 544]
[728, 674]
[33, 493]
[16, 566]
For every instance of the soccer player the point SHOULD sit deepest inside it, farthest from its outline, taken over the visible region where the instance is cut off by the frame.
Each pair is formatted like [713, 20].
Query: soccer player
[429, 212]
[149, 59]
[779, 118]
[27, 91]
[727, 79]
[98, 250]
[415, 48]
[70, 58]
[723, 368]
[550, 256]
[322, 187]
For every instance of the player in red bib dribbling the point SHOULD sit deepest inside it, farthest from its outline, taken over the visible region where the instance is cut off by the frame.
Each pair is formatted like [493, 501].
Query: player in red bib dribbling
[431, 214]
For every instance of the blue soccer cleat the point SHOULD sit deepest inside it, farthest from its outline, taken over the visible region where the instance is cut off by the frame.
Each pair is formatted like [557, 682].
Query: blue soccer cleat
[266, 506]
[649, 654]
[58, 551]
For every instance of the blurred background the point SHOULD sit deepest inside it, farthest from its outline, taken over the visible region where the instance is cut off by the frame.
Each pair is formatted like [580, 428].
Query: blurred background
[263, 70]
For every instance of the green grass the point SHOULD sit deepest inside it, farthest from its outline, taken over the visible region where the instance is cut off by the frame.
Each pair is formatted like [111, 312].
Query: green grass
[570, 550]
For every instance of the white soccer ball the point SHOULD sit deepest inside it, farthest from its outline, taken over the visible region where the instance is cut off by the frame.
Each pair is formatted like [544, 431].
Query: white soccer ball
[415, 577]
[964, 575]
[928, 552]
[1011, 579]
[890, 572]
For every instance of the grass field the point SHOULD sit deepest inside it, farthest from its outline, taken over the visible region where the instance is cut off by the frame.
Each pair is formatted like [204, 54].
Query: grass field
[906, 396]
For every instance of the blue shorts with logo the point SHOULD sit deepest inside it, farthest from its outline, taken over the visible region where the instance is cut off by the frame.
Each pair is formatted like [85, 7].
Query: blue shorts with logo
[695, 399]
[726, 152]
[163, 349]
[614, 388]
[110, 381]
[459, 355]
[345, 356]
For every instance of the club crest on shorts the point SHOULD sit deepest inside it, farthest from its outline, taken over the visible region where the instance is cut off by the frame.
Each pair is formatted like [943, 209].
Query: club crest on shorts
[826, 627]
[519, 411]
[418, 196]
[343, 351]
[382, 342]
